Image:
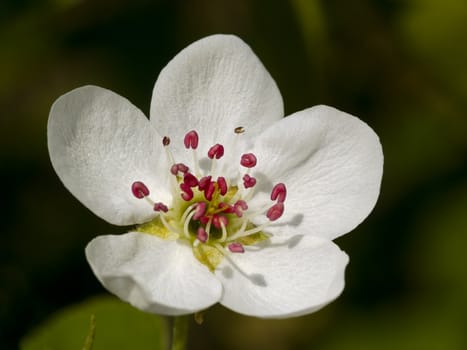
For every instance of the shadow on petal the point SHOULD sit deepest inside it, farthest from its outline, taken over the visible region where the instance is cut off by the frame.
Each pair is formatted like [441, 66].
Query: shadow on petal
[294, 241]
[264, 184]
[296, 220]
[255, 278]
[291, 242]
[258, 280]
[205, 164]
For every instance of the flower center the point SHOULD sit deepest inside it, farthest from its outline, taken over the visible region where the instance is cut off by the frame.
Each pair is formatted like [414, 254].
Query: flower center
[210, 212]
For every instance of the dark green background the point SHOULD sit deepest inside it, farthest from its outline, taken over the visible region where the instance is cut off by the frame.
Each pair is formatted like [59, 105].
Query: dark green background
[398, 65]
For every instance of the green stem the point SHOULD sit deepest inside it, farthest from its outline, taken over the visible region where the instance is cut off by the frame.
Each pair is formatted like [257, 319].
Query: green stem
[180, 332]
[88, 343]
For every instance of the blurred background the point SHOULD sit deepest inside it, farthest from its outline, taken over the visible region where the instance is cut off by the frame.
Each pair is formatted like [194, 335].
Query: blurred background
[398, 65]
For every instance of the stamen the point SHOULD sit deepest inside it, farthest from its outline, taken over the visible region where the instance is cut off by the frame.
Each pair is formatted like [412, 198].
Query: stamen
[224, 231]
[260, 211]
[236, 247]
[187, 194]
[150, 201]
[242, 233]
[174, 169]
[208, 226]
[224, 208]
[167, 226]
[160, 207]
[221, 249]
[186, 223]
[248, 160]
[183, 168]
[187, 211]
[205, 219]
[219, 220]
[239, 130]
[216, 151]
[276, 211]
[222, 185]
[209, 191]
[204, 183]
[191, 140]
[202, 235]
[196, 163]
[239, 207]
[248, 181]
[279, 192]
[190, 180]
[200, 210]
[225, 203]
[242, 204]
[139, 189]
[170, 159]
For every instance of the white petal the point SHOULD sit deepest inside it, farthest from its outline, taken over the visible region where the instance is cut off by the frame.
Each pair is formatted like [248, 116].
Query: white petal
[152, 274]
[213, 86]
[99, 144]
[294, 278]
[331, 163]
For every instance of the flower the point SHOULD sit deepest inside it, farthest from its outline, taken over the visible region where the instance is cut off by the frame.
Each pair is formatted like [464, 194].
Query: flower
[232, 202]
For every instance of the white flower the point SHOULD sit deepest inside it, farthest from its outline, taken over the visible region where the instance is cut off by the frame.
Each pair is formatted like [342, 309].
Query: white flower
[255, 236]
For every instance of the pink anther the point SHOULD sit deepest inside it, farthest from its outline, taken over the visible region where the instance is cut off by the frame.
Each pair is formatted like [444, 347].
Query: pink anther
[200, 210]
[236, 247]
[166, 140]
[190, 180]
[209, 191]
[161, 207]
[219, 220]
[191, 140]
[202, 235]
[216, 151]
[239, 207]
[248, 181]
[139, 189]
[174, 169]
[187, 193]
[222, 185]
[242, 204]
[248, 160]
[226, 209]
[279, 192]
[204, 183]
[183, 168]
[204, 219]
[275, 212]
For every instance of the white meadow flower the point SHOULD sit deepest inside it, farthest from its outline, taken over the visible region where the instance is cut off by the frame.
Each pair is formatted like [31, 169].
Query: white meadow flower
[232, 202]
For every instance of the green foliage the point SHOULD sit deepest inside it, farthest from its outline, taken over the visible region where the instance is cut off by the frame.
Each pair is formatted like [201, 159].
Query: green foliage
[434, 30]
[117, 326]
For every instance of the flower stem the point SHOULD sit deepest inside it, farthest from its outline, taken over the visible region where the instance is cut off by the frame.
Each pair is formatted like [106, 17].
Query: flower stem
[179, 332]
